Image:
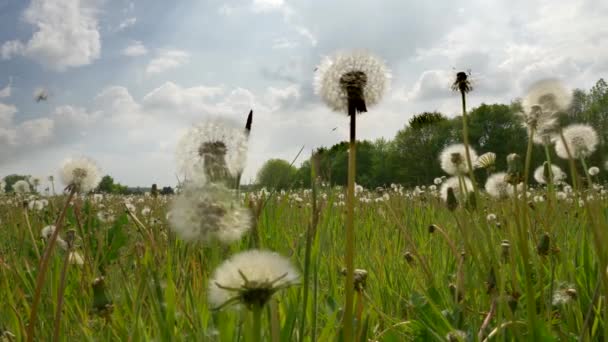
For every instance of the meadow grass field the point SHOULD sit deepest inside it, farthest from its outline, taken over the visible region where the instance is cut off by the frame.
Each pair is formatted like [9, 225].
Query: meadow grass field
[521, 256]
[528, 264]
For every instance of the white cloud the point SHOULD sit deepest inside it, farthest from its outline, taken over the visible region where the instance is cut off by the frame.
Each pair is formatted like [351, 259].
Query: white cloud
[6, 91]
[267, 5]
[432, 84]
[167, 60]
[7, 112]
[36, 131]
[66, 35]
[125, 24]
[136, 48]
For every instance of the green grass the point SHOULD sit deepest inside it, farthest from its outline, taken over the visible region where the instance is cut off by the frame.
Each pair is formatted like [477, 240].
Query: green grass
[157, 283]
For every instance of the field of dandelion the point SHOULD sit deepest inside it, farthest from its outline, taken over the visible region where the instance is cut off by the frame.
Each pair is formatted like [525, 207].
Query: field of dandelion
[520, 257]
[429, 273]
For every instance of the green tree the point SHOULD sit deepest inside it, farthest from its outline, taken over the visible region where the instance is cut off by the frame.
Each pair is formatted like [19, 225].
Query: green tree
[12, 179]
[106, 184]
[277, 174]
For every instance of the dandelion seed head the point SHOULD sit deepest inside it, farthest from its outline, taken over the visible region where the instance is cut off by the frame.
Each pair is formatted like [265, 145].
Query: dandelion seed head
[209, 212]
[498, 187]
[453, 159]
[360, 67]
[81, 173]
[542, 102]
[212, 148]
[594, 171]
[21, 187]
[251, 278]
[454, 183]
[581, 140]
[541, 177]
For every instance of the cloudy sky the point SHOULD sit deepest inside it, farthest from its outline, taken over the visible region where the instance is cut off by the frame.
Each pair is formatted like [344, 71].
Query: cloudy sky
[126, 78]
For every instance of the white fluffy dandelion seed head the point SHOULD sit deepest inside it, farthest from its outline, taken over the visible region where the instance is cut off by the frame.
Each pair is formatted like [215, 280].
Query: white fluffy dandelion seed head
[437, 181]
[453, 159]
[491, 217]
[497, 186]
[234, 140]
[21, 187]
[259, 267]
[594, 171]
[558, 174]
[550, 95]
[455, 184]
[329, 73]
[209, 212]
[581, 140]
[81, 173]
[485, 160]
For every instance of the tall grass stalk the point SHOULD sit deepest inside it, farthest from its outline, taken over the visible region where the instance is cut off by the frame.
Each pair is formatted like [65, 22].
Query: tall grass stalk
[44, 262]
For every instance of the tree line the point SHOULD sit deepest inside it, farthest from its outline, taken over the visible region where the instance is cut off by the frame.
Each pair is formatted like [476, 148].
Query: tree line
[411, 157]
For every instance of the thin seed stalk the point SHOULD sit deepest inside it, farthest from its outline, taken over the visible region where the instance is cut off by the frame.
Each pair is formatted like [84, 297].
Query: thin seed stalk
[29, 228]
[550, 186]
[465, 138]
[44, 262]
[350, 229]
[528, 158]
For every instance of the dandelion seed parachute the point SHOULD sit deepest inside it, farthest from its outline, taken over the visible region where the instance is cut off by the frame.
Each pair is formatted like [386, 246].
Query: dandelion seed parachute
[81, 173]
[581, 140]
[208, 212]
[453, 159]
[328, 80]
[221, 143]
[251, 277]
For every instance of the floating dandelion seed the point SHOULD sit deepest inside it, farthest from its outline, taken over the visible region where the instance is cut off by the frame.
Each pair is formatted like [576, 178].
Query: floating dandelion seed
[80, 173]
[359, 76]
[21, 187]
[485, 161]
[541, 176]
[581, 139]
[453, 159]
[212, 151]
[209, 212]
[456, 186]
[250, 278]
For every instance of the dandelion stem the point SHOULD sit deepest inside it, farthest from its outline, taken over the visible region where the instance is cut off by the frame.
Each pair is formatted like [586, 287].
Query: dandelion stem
[44, 262]
[256, 329]
[350, 228]
[465, 138]
[528, 159]
[60, 292]
[29, 227]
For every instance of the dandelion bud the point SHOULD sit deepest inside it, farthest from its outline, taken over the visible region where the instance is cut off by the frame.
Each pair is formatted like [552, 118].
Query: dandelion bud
[544, 244]
[432, 228]
[505, 247]
[512, 301]
[360, 279]
[102, 305]
[154, 190]
[513, 163]
[451, 202]
[409, 257]
[456, 336]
